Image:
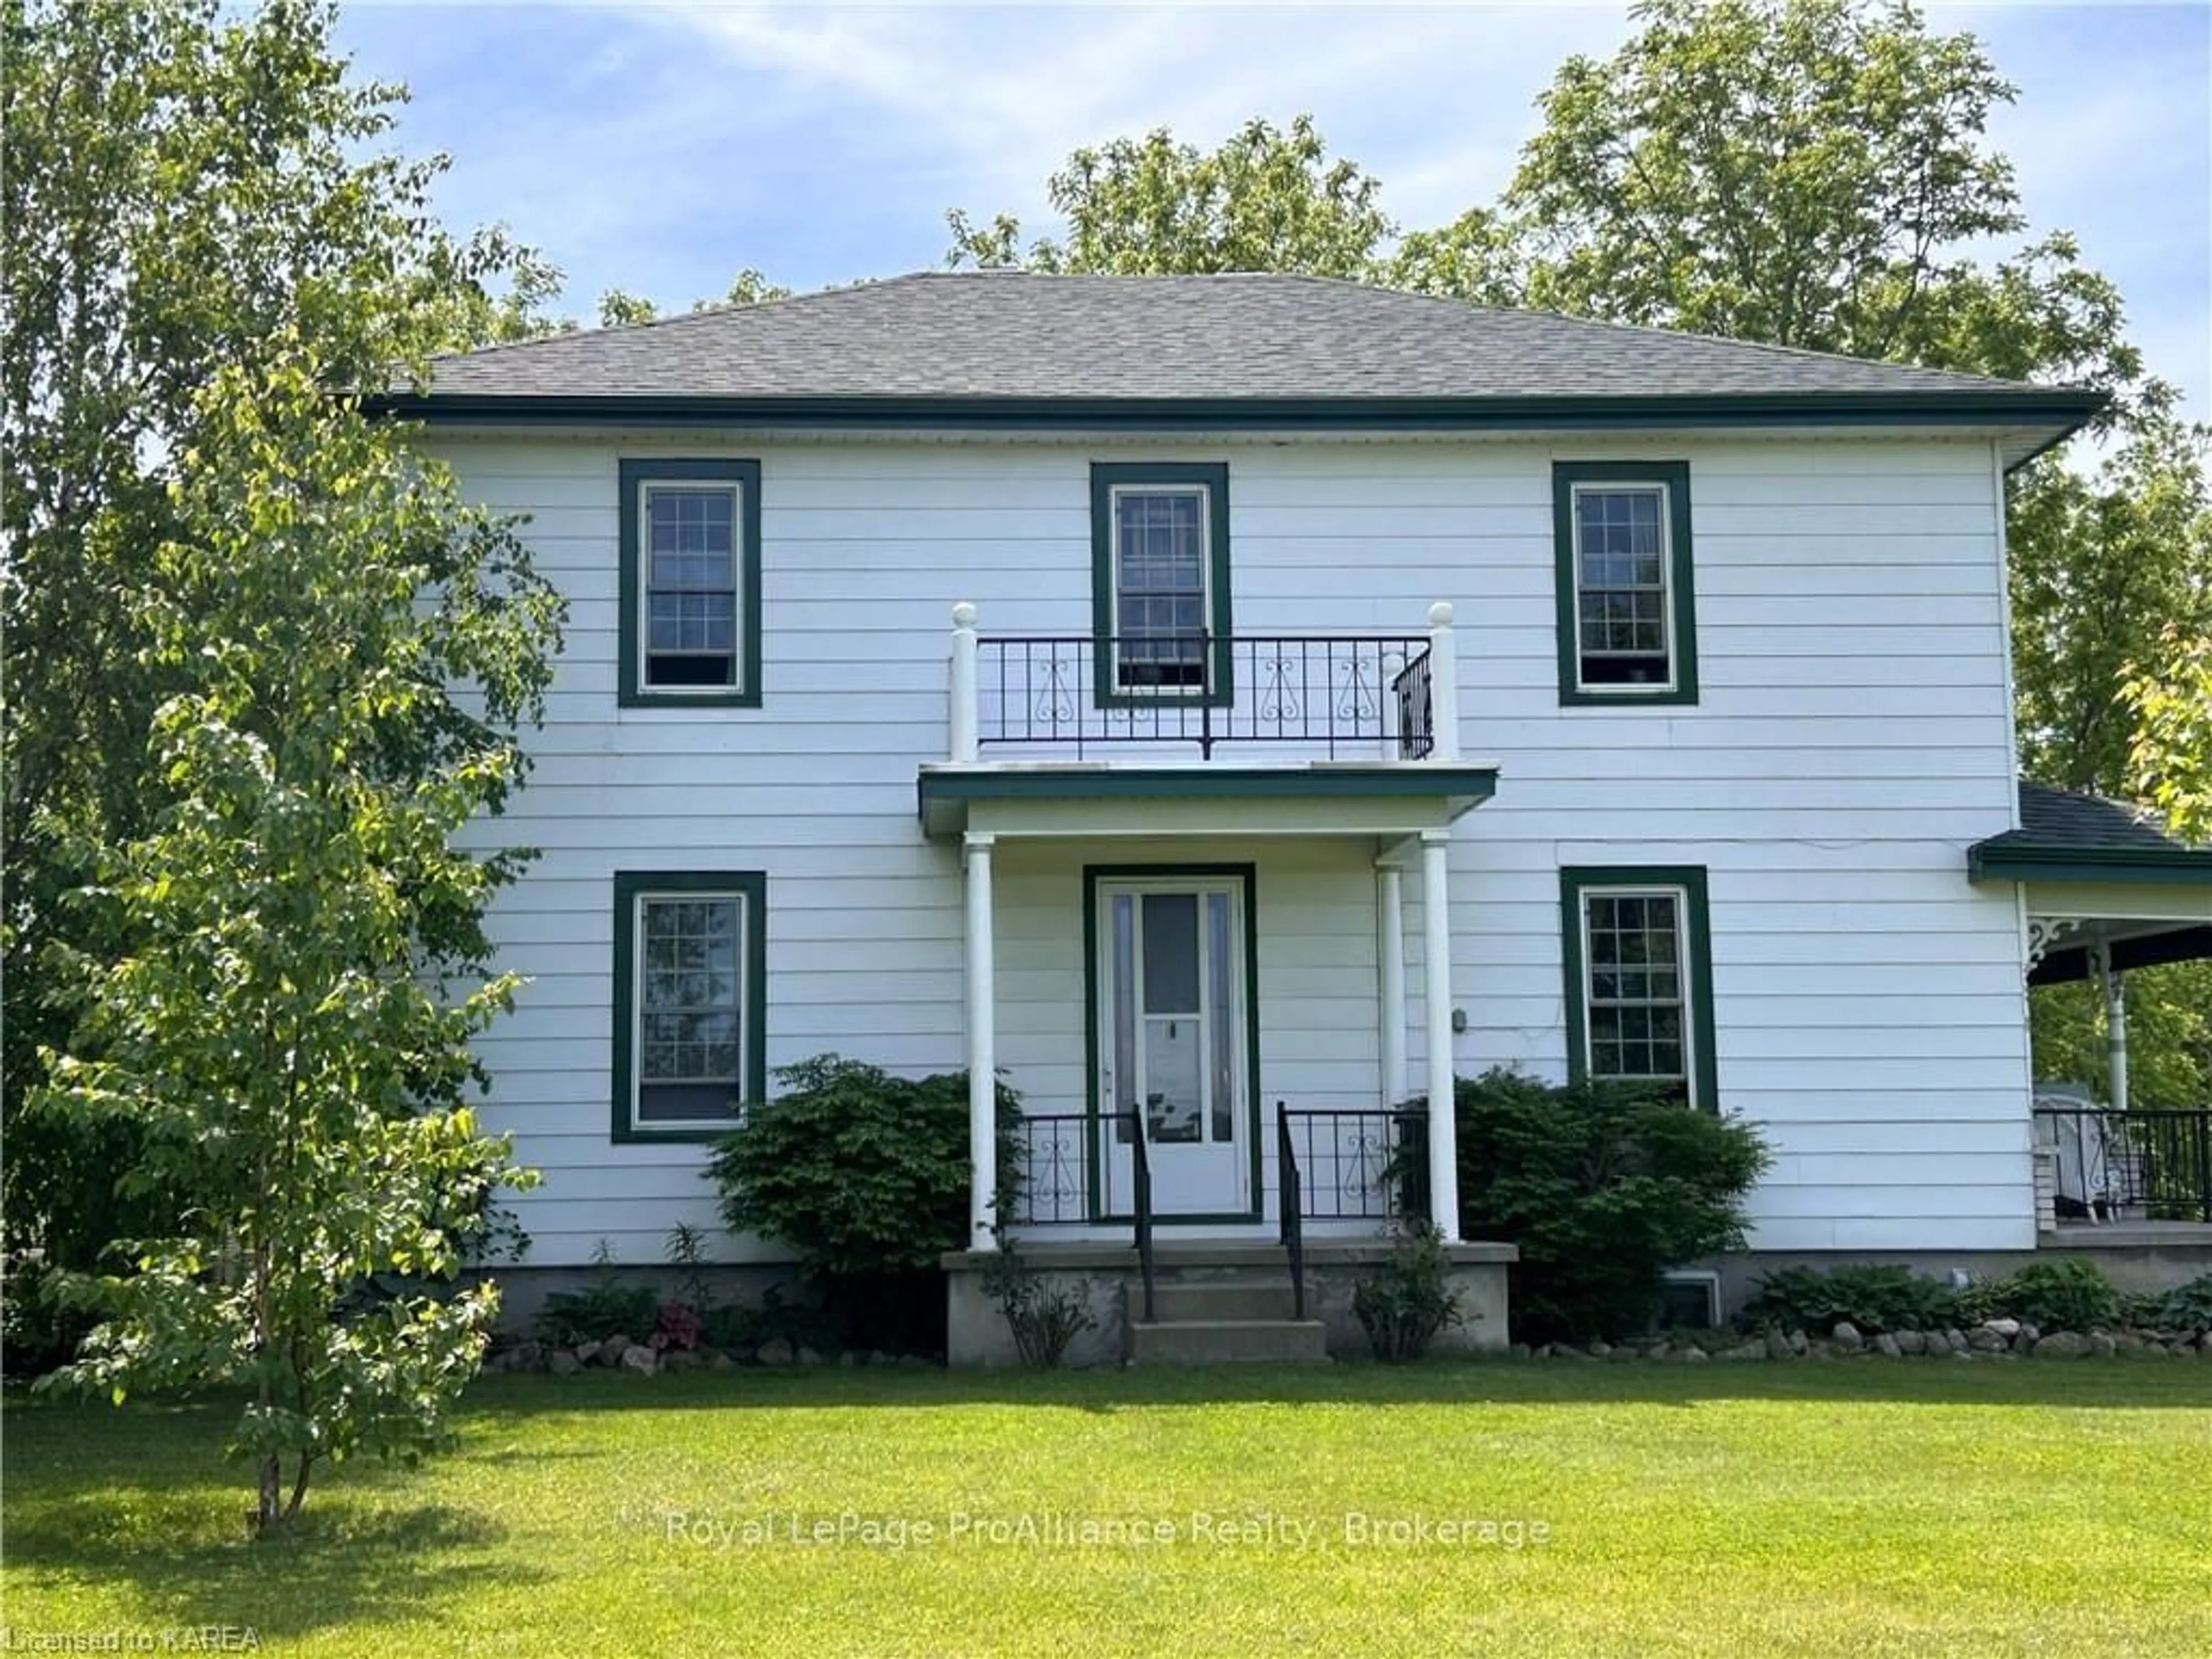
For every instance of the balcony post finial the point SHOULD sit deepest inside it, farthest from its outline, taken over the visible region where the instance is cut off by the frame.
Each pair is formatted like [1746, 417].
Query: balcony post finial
[962, 697]
[1444, 683]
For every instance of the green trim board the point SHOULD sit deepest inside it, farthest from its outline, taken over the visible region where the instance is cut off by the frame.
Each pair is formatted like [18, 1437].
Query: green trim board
[2064, 410]
[1682, 585]
[1212, 477]
[1247, 874]
[1575, 880]
[631, 885]
[635, 472]
[2007, 860]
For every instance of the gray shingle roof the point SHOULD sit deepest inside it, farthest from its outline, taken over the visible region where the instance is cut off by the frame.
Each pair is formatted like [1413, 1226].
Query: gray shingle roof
[2060, 817]
[1011, 335]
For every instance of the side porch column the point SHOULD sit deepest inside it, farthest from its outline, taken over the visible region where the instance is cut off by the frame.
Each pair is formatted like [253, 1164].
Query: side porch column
[2116, 1025]
[982, 1050]
[1444, 1122]
[1390, 990]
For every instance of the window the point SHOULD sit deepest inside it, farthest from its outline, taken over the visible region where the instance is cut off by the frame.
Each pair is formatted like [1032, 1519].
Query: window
[691, 994]
[1640, 977]
[1627, 610]
[1159, 537]
[690, 582]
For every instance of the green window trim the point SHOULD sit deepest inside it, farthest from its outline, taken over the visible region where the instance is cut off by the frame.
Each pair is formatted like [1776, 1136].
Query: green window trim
[630, 887]
[1107, 478]
[634, 475]
[1247, 876]
[1687, 879]
[1681, 587]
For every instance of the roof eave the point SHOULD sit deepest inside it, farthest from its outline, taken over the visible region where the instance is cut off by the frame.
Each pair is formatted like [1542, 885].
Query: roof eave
[2041, 417]
[2004, 859]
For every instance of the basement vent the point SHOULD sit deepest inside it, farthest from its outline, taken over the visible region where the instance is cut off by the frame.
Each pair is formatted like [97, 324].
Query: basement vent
[1692, 1300]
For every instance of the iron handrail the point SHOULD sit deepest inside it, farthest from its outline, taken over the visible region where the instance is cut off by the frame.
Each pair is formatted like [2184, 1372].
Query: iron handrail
[1290, 1208]
[1142, 1159]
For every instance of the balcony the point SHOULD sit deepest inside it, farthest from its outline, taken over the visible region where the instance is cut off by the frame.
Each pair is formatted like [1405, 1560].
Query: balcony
[1264, 697]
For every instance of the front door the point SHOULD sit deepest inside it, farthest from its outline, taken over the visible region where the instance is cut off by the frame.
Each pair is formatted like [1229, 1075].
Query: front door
[1174, 1030]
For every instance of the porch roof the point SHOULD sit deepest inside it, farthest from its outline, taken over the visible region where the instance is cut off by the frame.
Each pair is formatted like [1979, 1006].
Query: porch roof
[2100, 874]
[1312, 797]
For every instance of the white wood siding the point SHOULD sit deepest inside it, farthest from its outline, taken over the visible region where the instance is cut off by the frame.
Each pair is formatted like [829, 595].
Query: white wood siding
[1850, 740]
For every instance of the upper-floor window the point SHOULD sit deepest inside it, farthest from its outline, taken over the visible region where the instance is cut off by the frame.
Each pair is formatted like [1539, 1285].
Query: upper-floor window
[1160, 579]
[690, 581]
[1640, 977]
[1627, 610]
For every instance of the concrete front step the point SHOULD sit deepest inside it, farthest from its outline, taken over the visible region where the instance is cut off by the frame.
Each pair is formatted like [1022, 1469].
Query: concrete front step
[1226, 1341]
[1205, 1301]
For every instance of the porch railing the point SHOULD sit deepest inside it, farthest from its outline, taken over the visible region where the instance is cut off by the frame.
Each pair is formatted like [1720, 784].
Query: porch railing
[1057, 1156]
[1357, 696]
[2135, 1165]
[1292, 1212]
[1364, 1165]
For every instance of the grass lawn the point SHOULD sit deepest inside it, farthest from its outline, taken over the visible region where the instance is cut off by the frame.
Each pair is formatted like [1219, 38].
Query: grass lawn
[1851, 1508]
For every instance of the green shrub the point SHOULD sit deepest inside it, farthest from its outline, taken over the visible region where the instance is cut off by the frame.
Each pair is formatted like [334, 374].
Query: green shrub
[1044, 1314]
[1603, 1186]
[863, 1174]
[1406, 1303]
[608, 1306]
[1871, 1298]
[2067, 1293]
[2184, 1307]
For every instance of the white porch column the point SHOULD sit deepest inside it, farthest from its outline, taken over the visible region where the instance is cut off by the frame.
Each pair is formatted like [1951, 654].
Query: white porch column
[1444, 683]
[1444, 1123]
[1390, 988]
[2116, 1026]
[963, 684]
[982, 1050]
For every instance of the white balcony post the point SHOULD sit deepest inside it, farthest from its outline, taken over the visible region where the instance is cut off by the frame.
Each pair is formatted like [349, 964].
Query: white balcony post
[1390, 980]
[982, 1051]
[1444, 1122]
[1444, 683]
[2116, 1025]
[963, 684]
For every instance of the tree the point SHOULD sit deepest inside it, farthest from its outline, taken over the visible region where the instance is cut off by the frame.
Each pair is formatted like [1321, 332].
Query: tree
[2170, 758]
[288, 1033]
[618, 309]
[1267, 200]
[184, 184]
[202, 245]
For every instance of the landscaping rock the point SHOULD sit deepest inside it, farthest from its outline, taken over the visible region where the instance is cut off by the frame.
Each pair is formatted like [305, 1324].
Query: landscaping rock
[527, 1357]
[2007, 1328]
[640, 1359]
[1568, 1351]
[776, 1352]
[2031, 1331]
[808, 1357]
[682, 1359]
[2061, 1345]
[1911, 1342]
[611, 1351]
[1694, 1355]
[563, 1363]
[1800, 1344]
[1846, 1336]
[1743, 1350]
[721, 1362]
[1889, 1346]
[1778, 1345]
[1599, 1350]
[2126, 1342]
[1614, 1354]
[1984, 1338]
[1658, 1351]
[2101, 1344]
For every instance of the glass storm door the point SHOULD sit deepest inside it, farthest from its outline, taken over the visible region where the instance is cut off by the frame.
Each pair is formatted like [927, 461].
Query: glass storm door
[1171, 1011]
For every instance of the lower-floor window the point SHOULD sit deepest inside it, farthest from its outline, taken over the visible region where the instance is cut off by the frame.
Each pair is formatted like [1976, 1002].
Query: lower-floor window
[1640, 977]
[689, 996]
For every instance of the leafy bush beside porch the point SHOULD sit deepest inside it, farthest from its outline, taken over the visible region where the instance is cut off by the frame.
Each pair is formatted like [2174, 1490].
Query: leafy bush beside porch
[1603, 1186]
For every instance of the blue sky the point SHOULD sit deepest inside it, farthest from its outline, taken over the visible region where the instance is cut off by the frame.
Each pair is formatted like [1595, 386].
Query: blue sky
[660, 149]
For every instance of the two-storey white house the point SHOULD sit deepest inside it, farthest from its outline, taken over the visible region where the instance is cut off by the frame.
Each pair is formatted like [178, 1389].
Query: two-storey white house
[1186, 696]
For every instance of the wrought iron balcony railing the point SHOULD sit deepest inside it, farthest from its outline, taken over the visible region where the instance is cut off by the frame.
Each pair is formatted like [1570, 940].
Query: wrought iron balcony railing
[1384, 696]
[2130, 1166]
